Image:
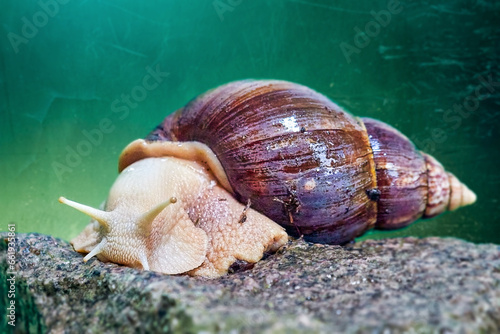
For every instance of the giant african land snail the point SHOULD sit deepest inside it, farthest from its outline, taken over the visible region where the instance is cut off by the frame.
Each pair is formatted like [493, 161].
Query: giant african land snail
[286, 150]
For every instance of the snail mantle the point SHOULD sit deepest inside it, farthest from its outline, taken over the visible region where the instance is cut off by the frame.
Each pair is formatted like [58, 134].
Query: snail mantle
[221, 179]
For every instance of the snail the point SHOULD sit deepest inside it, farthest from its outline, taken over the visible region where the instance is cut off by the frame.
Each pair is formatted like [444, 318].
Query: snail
[291, 154]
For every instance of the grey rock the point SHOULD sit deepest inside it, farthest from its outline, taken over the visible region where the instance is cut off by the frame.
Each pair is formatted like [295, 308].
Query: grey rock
[406, 285]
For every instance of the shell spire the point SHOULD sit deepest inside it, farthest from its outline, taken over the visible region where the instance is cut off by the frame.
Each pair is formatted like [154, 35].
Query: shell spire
[412, 184]
[461, 195]
[445, 191]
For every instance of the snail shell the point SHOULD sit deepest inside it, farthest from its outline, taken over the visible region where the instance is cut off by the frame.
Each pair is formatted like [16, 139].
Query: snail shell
[306, 163]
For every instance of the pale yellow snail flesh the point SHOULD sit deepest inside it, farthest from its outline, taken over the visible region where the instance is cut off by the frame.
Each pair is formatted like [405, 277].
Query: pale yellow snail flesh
[170, 215]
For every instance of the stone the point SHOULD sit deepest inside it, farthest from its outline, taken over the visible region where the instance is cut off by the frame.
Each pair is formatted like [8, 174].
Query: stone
[438, 285]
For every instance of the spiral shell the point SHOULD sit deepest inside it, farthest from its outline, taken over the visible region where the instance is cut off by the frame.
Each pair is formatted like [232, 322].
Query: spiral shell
[309, 165]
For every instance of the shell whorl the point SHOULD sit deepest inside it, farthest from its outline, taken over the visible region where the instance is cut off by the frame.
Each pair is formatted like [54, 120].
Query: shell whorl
[413, 184]
[299, 158]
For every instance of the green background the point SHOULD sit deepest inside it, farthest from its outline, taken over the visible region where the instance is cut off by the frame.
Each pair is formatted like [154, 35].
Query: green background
[64, 78]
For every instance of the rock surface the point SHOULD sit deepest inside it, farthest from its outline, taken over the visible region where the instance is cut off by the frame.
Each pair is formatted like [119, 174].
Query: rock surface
[430, 285]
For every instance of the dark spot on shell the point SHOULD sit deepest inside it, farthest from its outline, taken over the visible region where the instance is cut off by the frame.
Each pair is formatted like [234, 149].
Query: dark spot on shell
[373, 194]
[302, 129]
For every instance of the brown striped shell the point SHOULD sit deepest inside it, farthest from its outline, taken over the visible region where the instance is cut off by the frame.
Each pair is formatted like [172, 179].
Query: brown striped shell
[310, 166]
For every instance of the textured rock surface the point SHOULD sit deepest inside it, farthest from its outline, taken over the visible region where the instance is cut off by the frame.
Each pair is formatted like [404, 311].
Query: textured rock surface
[405, 285]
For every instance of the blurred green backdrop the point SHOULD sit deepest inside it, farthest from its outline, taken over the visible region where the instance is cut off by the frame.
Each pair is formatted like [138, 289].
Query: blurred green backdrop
[429, 68]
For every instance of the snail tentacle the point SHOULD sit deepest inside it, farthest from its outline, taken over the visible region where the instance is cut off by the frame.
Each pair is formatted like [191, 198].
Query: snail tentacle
[98, 249]
[102, 217]
[145, 221]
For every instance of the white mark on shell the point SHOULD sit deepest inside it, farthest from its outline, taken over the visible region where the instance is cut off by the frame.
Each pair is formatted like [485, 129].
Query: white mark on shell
[320, 154]
[310, 185]
[290, 123]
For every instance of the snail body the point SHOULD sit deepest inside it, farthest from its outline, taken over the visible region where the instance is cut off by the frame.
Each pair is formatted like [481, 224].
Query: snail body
[304, 162]
[169, 215]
